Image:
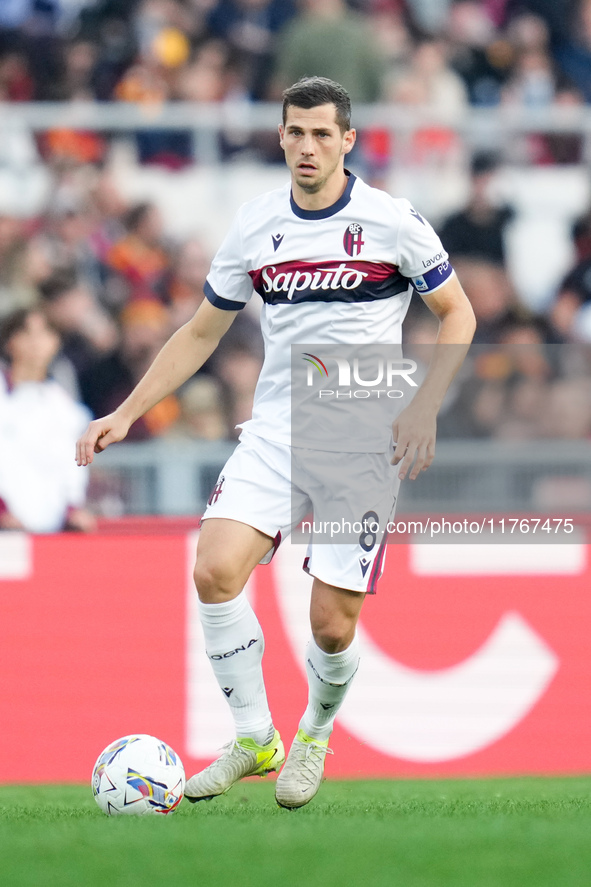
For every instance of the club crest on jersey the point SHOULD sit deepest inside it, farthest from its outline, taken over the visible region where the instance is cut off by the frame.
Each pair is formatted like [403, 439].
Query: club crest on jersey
[352, 239]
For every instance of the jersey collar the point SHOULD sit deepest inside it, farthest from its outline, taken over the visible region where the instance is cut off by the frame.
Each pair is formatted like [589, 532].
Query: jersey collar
[328, 211]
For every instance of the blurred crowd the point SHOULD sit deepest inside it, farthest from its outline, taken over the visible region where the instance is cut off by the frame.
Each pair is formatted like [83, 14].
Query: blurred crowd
[114, 288]
[440, 52]
[103, 275]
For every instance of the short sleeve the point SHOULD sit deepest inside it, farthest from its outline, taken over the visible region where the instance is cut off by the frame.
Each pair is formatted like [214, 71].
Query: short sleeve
[228, 285]
[421, 255]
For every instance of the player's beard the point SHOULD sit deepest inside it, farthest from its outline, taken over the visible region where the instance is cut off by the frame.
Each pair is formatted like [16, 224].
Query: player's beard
[314, 187]
[311, 187]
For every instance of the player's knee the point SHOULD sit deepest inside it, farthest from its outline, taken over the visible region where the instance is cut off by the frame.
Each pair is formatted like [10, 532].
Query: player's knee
[334, 636]
[215, 583]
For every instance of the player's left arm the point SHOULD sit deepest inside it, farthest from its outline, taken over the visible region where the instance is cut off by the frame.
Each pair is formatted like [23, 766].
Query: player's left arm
[415, 428]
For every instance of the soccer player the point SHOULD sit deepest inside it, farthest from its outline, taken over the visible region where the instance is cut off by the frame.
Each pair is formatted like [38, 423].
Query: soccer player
[335, 262]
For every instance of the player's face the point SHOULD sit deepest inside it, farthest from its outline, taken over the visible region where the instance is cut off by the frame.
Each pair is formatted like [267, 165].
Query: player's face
[314, 146]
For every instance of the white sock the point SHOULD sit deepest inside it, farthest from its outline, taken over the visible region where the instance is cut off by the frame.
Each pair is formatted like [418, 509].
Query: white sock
[234, 643]
[329, 677]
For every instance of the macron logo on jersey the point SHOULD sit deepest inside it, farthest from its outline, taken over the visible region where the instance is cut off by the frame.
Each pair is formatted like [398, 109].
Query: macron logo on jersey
[277, 240]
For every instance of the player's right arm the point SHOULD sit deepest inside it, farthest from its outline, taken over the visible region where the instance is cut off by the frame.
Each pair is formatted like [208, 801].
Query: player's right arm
[184, 353]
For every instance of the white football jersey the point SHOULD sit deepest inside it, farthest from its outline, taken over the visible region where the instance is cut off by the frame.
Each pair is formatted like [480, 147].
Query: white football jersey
[340, 275]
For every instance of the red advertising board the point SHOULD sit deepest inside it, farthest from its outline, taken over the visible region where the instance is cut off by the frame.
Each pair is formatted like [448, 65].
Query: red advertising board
[475, 659]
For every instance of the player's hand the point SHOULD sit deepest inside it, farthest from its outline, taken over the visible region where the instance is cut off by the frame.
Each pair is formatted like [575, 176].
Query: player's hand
[414, 432]
[99, 434]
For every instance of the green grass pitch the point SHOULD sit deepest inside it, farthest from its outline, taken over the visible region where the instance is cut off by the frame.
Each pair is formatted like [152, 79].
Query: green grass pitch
[530, 832]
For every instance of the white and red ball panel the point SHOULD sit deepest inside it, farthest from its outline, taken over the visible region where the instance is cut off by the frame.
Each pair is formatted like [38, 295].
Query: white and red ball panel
[137, 775]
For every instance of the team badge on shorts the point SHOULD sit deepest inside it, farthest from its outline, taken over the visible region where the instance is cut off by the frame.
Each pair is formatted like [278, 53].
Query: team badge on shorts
[352, 239]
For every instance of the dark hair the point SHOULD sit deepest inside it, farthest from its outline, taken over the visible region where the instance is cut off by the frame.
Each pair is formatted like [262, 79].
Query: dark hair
[61, 281]
[310, 92]
[136, 215]
[484, 162]
[16, 322]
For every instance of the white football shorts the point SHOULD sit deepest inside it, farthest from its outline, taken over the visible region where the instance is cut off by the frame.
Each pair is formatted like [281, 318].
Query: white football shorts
[343, 502]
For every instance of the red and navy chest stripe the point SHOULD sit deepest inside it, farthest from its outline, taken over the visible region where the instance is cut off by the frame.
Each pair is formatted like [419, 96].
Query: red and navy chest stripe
[336, 281]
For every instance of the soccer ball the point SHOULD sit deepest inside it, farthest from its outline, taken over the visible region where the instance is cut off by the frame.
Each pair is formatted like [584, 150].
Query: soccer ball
[138, 774]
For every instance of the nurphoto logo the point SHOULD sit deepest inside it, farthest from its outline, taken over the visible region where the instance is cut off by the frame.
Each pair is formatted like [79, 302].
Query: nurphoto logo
[367, 375]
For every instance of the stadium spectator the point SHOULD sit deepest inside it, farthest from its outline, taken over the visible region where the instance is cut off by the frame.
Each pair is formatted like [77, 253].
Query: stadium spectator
[16, 82]
[573, 53]
[528, 32]
[106, 25]
[207, 77]
[107, 209]
[144, 329]
[391, 33]
[428, 17]
[151, 19]
[429, 81]
[424, 83]
[489, 289]
[40, 489]
[87, 330]
[330, 40]
[558, 17]
[478, 55]
[503, 395]
[567, 410]
[536, 81]
[202, 411]
[140, 257]
[478, 231]
[529, 372]
[569, 311]
[23, 265]
[79, 63]
[532, 82]
[581, 236]
[250, 28]
[190, 265]
[42, 43]
[144, 83]
[573, 297]
[238, 367]
[65, 236]
[164, 49]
